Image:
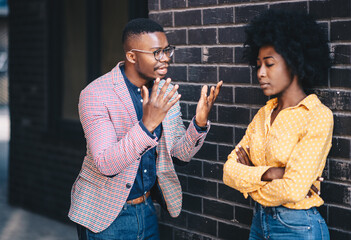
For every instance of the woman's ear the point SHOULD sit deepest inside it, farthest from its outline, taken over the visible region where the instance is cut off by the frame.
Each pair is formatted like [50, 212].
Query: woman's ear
[131, 57]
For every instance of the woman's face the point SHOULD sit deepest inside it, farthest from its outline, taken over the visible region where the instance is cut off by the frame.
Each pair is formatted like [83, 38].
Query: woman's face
[273, 73]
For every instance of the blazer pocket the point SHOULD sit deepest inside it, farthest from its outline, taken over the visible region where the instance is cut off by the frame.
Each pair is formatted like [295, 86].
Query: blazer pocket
[93, 177]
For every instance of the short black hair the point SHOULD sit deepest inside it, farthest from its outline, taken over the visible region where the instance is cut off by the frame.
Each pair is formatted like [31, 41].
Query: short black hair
[296, 37]
[139, 26]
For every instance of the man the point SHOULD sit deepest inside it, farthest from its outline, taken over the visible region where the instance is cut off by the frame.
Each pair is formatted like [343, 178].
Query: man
[133, 128]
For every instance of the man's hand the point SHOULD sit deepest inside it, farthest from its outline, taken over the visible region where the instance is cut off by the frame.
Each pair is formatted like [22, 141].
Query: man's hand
[156, 107]
[205, 104]
[273, 172]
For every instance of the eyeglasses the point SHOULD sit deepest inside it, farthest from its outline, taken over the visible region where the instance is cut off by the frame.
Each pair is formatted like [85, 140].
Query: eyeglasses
[158, 54]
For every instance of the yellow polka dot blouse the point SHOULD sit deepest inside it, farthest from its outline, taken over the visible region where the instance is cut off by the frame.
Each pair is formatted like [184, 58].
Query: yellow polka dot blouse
[299, 140]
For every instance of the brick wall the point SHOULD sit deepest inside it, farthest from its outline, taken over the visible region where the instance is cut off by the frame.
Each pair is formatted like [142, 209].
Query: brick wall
[209, 36]
[44, 161]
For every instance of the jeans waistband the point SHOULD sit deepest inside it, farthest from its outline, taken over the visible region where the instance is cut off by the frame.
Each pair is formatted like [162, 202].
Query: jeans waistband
[273, 210]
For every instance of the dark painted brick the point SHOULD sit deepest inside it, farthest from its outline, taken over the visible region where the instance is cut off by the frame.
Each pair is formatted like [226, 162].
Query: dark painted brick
[226, 231]
[323, 210]
[342, 54]
[192, 203]
[340, 148]
[231, 35]
[202, 187]
[340, 8]
[218, 55]
[340, 77]
[250, 96]
[190, 93]
[223, 152]
[335, 100]
[335, 219]
[296, 6]
[218, 210]
[225, 95]
[179, 221]
[166, 232]
[212, 117]
[208, 152]
[337, 194]
[243, 215]
[187, 55]
[218, 15]
[320, 9]
[184, 110]
[164, 19]
[342, 125]
[244, 14]
[213, 170]
[340, 170]
[193, 168]
[176, 37]
[232, 1]
[202, 36]
[234, 74]
[153, 5]
[196, 3]
[180, 234]
[340, 31]
[183, 182]
[230, 194]
[166, 4]
[239, 134]
[239, 55]
[220, 134]
[187, 18]
[335, 234]
[233, 115]
[177, 73]
[203, 74]
[202, 224]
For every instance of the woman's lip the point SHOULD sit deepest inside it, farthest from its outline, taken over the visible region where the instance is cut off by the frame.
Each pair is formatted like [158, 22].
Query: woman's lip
[264, 85]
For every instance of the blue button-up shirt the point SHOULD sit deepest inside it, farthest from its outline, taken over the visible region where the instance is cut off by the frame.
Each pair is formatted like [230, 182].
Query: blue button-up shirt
[146, 174]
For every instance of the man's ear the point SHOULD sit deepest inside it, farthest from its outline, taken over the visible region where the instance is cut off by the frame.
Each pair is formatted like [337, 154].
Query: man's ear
[131, 57]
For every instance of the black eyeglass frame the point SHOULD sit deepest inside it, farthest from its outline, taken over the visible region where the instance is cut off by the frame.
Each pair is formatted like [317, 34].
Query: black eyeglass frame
[158, 51]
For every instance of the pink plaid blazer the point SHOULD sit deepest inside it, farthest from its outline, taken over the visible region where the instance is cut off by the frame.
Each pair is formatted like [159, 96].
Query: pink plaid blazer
[115, 144]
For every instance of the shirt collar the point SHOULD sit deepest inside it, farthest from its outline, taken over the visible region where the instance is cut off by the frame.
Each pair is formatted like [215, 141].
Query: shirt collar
[309, 102]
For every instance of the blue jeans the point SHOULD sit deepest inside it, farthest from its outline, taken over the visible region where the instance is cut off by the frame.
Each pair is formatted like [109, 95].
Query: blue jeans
[134, 222]
[277, 223]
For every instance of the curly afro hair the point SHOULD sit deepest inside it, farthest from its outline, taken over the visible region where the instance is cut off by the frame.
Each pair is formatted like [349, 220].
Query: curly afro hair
[296, 37]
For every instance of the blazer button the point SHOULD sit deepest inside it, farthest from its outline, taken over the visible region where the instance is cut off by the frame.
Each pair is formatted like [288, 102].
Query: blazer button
[128, 185]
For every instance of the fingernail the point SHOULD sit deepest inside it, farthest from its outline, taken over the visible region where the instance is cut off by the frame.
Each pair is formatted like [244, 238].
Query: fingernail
[247, 146]
[319, 193]
[239, 145]
[236, 150]
[321, 179]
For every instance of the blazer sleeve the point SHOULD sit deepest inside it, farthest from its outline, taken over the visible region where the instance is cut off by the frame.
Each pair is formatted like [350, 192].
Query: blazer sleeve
[111, 154]
[188, 142]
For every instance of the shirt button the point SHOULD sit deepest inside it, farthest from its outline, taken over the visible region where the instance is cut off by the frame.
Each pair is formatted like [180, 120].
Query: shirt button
[145, 192]
[141, 100]
[128, 185]
[145, 171]
[138, 89]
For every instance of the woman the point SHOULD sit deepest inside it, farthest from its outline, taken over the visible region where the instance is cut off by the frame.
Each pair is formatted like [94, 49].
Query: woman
[284, 150]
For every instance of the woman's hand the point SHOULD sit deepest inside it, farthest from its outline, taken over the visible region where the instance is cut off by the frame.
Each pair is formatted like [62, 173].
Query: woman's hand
[243, 156]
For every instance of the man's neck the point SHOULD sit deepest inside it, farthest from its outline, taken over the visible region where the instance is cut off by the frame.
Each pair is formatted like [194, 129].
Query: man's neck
[134, 77]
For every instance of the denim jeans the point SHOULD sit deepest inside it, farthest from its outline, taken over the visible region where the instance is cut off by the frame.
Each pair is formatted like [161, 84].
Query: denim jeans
[134, 222]
[277, 223]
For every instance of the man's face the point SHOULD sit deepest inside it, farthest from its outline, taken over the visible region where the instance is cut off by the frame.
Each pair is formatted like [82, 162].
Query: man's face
[146, 65]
